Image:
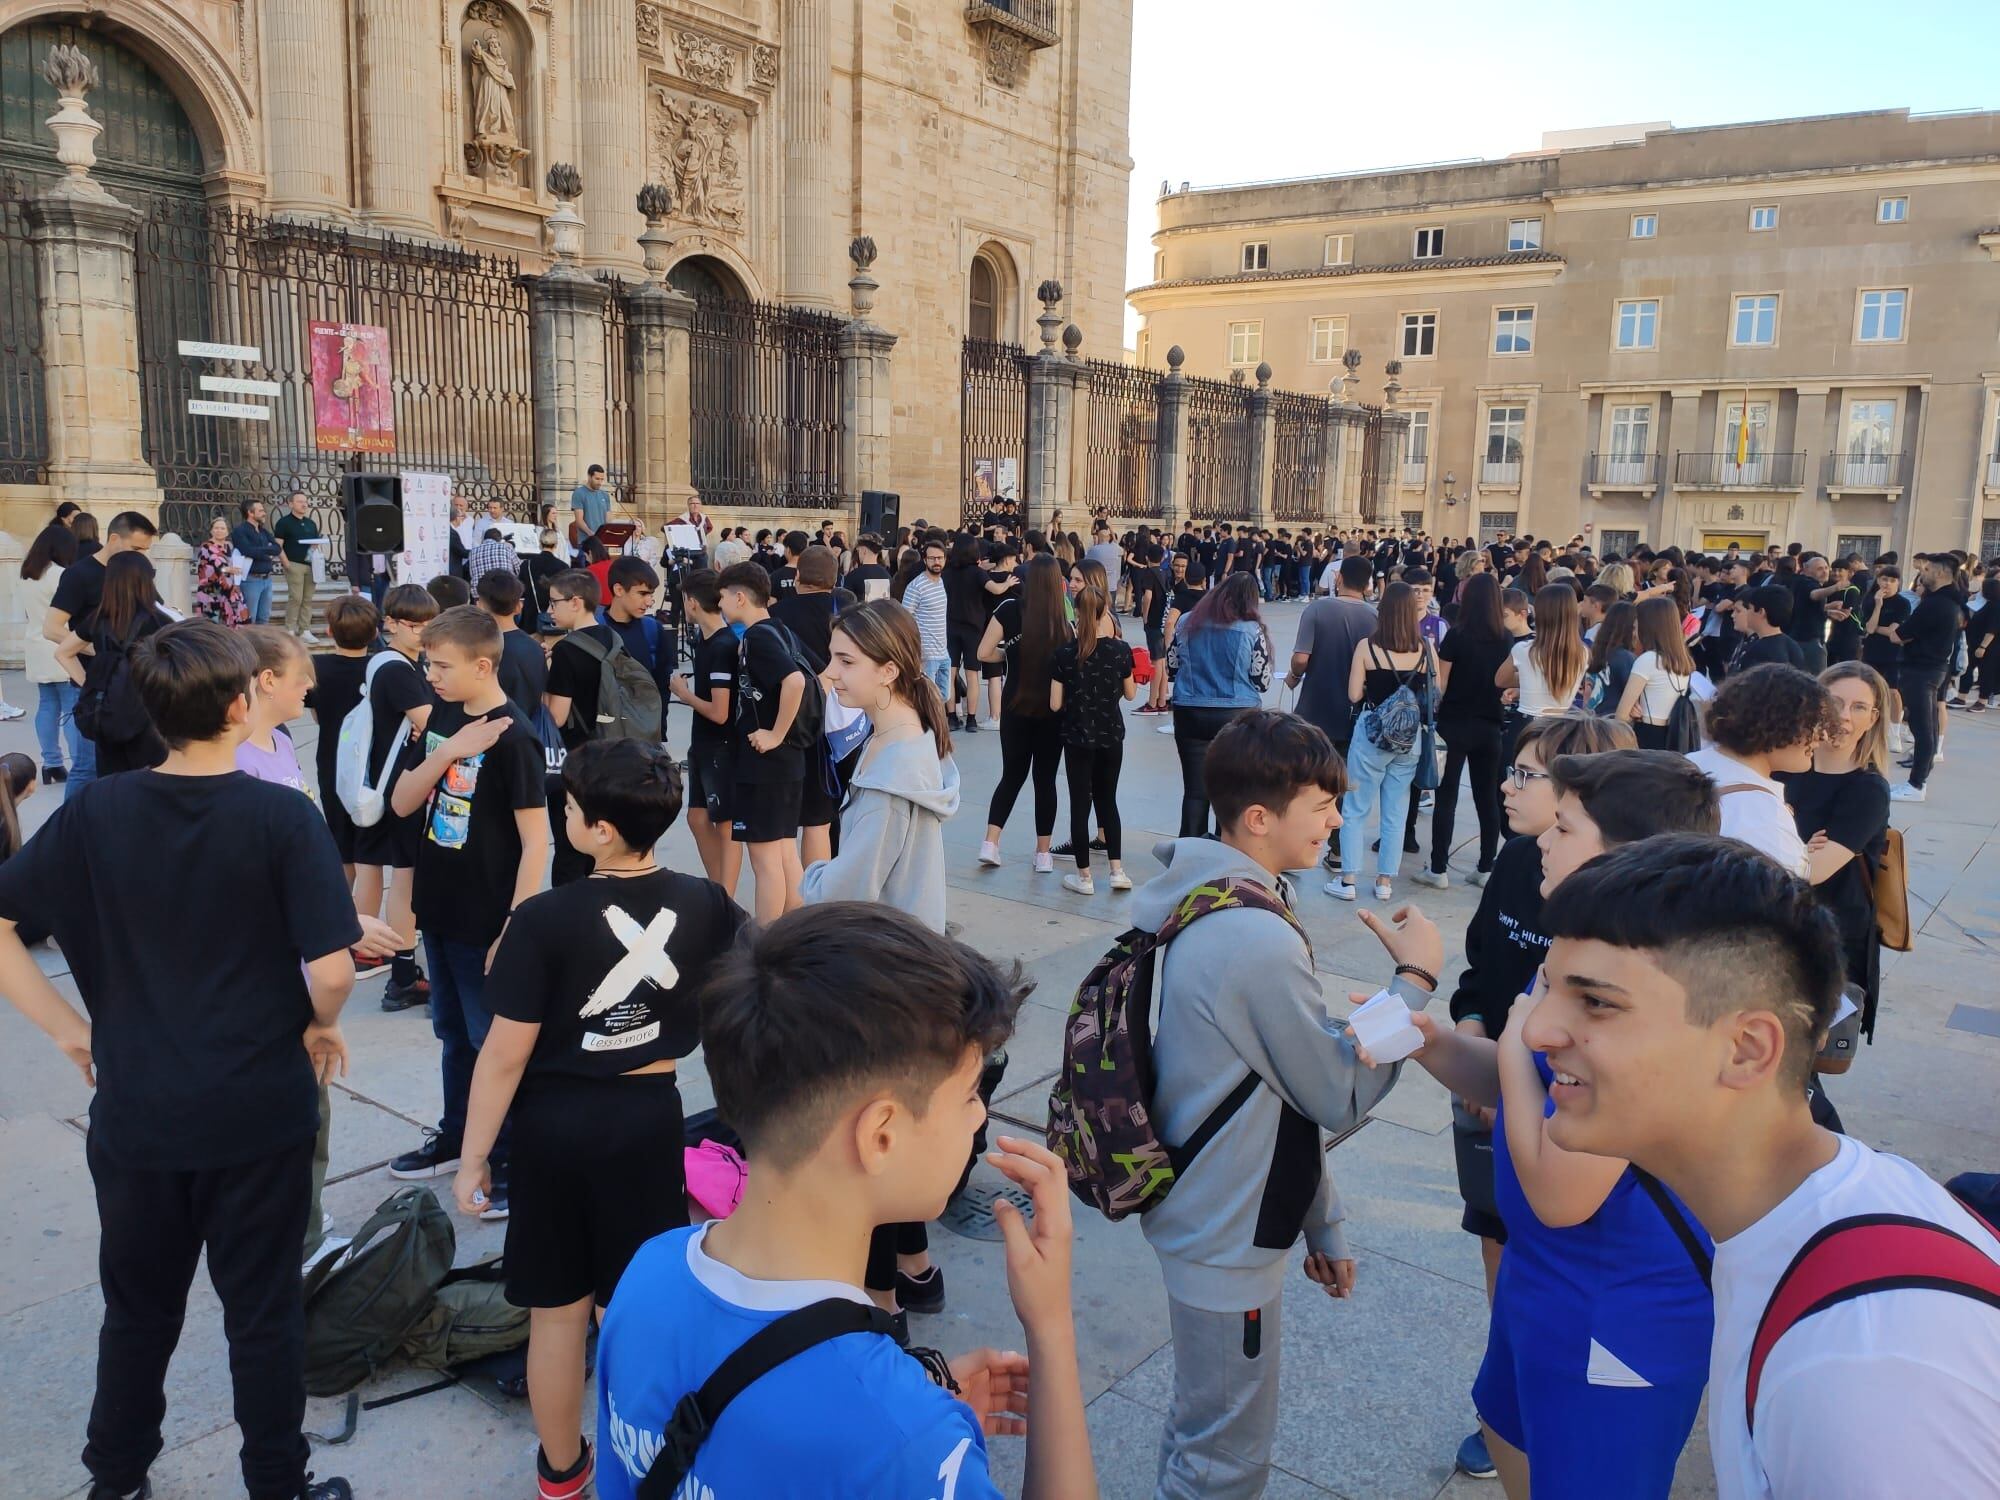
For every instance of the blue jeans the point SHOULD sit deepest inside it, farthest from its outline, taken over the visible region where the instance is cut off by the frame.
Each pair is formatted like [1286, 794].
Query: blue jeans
[460, 1021]
[55, 722]
[938, 669]
[257, 599]
[1270, 571]
[82, 766]
[1375, 804]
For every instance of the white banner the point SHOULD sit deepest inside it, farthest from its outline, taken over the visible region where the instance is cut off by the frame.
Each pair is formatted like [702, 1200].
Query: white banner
[241, 387]
[426, 527]
[195, 349]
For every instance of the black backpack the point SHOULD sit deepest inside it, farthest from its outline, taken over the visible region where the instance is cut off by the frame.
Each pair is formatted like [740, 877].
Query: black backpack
[1684, 721]
[811, 717]
[109, 710]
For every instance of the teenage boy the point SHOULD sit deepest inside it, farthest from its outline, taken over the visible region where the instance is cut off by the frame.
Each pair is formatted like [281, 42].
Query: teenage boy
[524, 670]
[631, 587]
[1223, 1235]
[1683, 1028]
[770, 775]
[712, 752]
[867, 579]
[593, 999]
[476, 777]
[1761, 615]
[397, 695]
[571, 691]
[785, 574]
[1761, 722]
[206, 1068]
[848, 1126]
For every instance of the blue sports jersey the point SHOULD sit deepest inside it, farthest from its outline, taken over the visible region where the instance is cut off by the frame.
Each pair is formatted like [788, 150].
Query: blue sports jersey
[853, 1416]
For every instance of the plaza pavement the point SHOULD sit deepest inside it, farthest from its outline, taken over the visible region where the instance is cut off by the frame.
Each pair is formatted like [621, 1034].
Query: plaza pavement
[1375, 1389]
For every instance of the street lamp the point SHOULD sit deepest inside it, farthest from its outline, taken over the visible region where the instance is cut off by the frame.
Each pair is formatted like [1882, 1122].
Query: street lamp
[1450, 489]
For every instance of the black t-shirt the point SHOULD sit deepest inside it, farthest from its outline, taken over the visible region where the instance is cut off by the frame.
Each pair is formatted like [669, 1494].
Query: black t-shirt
[471, 847]
[523, 670]
[1853, 810]
[542, 566]
[1093, 689]
[1504, 943]
[1470, 692]
[1007, 614]
[1185, 596]
[1843, 637]
[79, 590]
[714, 668]
[574, 674]
[1808, 622]
[861, 575]
[1931, 636]
[398, 688]
[784, 578]
[762, 665]
[1879, 650]
[1755, 650]
[336, 691]
[810, 617]
[185, 906]
[1150, 596]
[965, 597]
[610, 969]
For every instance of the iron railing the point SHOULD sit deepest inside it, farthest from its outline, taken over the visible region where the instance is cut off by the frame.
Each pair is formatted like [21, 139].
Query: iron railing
[1037, 14]
[1721, 471]
[1993, 471]
[619, 449]
[1638, 471]
[1416, 473]
[24, 418]
[993, 424]
[1377, 470]
[764, 402]
[1500, 473]
[1298, 441]
[1864, 471]
[1122, 439]
[1219, 480]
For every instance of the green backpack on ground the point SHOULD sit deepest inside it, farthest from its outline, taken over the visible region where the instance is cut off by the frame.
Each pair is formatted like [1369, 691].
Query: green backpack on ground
[469, 1319]
[362, 1303]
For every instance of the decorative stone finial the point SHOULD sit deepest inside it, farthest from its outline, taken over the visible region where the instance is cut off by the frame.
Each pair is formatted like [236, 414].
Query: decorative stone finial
[1050, 292]
[1263, 376]
[861, 250]
[70, 72]
[1072, 341]
[1236, 376]
[72, 75]
[656, 203]
[862, 285]
[1352, 359]
[565, 184]
[1393, 368]
[1176, 357]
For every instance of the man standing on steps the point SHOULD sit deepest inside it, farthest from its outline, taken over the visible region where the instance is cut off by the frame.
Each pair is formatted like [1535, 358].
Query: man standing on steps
[294, 530]
[254, 540]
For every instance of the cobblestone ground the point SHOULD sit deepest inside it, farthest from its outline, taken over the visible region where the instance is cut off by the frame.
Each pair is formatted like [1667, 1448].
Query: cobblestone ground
[1375, 1397]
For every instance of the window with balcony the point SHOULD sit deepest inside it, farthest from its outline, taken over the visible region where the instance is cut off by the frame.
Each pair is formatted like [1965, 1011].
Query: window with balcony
[1755, 325]
[1524, 234]
[1420, 334]
[1645, 226]
[1867, 459]
[1246, 343]
[1329, 340]
[1764, 216]
[1892, 211]
[1430, 242]
[1746, 443]
[1338, 250]
[1639, 324]
[1257, 255]
[1417, 451]
[1630, 460]
[1878, 317]
[1514, 330]
[1506, 438]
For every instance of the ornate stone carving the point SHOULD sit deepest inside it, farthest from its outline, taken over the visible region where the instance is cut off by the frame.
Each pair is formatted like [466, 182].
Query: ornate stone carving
[704, 60]
[1006, 57]
[649, 29]
[692, 144]
[495, 147]
[764, 67]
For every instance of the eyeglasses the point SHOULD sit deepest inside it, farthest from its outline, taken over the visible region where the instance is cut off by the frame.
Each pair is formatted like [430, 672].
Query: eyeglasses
[1520, 776]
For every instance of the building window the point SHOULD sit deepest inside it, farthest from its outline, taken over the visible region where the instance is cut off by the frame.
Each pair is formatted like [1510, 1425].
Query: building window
[1639, 324]
[1506, 435]
[1339, 249]
[1755, 467]
[1246, 343]
[1989, 538]
[1524, 234]
[1631, 434]
[1145, 346]
[1879, 319]
[1329, 340]
[1618, 543]
[1257, 255]
[1514, 330]
[1871, 429]
[1420, 335]
[1865, 543]
[1892, 211]
[1645, 226]
[1159, 265]
[1413, 520]
[983, 301]
[1755, 325]
[1417, 453]
[1764, 216]
[1494, 524]
[1430, 242]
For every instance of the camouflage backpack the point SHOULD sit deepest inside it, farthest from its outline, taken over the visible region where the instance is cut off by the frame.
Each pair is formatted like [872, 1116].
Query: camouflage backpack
[1100, 1123]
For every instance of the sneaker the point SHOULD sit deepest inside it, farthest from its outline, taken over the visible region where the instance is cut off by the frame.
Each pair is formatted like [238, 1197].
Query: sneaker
[1906, 793]
[1097, 843]
[327, 1489]
[406, 996]
[1065, 850]
[569, 1484]
[9, 713]
[1426, 801]
[1384, 891]
[1954, 701]
[971, 725]
[496, 1209]
[436, 1157]
[1340, 890]
[365, 964]
[332, 1244]
[1473, 1459]
[105, 1492]
[1079, 882]
[1437, 880]
[1478, 878]
[922, 1294]
[1330, 861]
[1045, 862]
[1977, 706]
[307, 638]
[1120, 881]
[989, 854]
[1164, 729]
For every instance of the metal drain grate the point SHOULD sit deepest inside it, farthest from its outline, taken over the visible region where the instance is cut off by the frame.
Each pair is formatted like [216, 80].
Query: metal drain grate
[970, 1214]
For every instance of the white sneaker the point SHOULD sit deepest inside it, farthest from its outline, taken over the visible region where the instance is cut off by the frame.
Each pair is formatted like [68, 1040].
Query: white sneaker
[1384, 891]
[1436, 880]
[1164, 729]
[1426, 802]
[1120, 881]
[1906, 793]
[989, 854]
[1340, 890]
[1045, 863]
[1082, 884]
[9, 713]
[307, 638]
[1478, 878]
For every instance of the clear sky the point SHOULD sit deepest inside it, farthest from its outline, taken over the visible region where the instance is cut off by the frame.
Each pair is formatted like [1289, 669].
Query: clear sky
[1257, 89]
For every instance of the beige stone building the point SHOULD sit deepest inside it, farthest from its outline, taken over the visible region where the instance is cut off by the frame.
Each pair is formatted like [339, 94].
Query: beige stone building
[1585, 331]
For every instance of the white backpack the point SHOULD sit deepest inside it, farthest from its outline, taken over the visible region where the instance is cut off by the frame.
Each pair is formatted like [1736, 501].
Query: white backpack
[365, 803]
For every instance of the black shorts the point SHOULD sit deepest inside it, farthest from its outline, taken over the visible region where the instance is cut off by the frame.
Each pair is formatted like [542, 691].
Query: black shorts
[392, 842]
[962, 643]
[596, 1171]
[710, 780]
[1473, 1149]
[822, 792]
[339, 821]
[1156, 644]
[766, 812]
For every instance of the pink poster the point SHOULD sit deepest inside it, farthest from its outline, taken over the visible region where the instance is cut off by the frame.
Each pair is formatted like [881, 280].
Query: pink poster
[354, 409]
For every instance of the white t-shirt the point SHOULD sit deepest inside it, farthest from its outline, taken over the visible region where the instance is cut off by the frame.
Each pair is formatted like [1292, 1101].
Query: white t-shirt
[1663, 687]
[1535, 695]
[1892, 1394]
[1759, 816]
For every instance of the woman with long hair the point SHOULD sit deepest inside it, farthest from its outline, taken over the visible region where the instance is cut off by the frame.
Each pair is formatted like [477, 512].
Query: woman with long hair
[1549, 669]
[1534, 575]
[53, 550]
[217, 594]
[1220, 663]
[128, 612]
[1660, 677]
[1469, 720]
[1090, 677]
[1024, 634]
[1613, 649]
[1396, 656]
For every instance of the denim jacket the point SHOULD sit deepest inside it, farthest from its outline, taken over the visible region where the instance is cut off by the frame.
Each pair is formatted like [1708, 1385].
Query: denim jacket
[1223, 666]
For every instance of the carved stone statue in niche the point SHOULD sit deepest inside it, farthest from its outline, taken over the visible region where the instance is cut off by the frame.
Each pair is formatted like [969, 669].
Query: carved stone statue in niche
[495, 148]
[694, 144]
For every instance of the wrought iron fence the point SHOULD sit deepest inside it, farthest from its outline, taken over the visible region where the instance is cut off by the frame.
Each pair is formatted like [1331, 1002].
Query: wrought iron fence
[1220, 484]
[1298, 441]
[618, 436]
[458, 373]
[1378, 469]
[1123, 439]
[24, 426]
[764, 398]
[993, 424]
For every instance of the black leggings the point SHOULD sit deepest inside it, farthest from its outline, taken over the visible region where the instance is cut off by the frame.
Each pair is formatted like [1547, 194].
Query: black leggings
[1028, 744]
[1474, 744]
[1093, 777]
[1920, 711]
[1194, 729]
[884, 1245]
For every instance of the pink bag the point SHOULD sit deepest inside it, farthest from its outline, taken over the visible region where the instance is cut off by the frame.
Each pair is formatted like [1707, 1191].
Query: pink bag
[715, 1177]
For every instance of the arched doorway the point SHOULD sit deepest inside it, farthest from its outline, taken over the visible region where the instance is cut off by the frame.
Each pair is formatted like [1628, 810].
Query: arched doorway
[707, 279]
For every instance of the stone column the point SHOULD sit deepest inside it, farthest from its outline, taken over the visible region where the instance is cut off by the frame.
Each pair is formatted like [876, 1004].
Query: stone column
[1262, 462]
[658, 324]
[866, 411]
[305, 98]
[806, 117]
[1813, 519]
[567, 346]
[1351, 511]
[1077, 503]
[611, 116]
[397, 50]
[1051, 400]
[1170, 450]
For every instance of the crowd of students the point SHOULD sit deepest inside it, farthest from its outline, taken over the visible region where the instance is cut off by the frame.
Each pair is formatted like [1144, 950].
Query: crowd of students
[1677, 938]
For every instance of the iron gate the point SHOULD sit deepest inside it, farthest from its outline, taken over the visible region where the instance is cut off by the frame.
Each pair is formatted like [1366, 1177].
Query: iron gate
[764, 397]
[1123, 438]
[993, 425]
[618, 450]
[1218, 452]
[1298, 439]
[24, 426]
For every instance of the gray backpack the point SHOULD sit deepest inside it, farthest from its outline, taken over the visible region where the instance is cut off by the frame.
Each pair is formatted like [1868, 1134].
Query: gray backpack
[362, 1303]
[628, 699]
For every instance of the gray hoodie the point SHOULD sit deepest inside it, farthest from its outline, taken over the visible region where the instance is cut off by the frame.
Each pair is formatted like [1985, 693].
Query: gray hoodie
[892, 832]
[1237, 992]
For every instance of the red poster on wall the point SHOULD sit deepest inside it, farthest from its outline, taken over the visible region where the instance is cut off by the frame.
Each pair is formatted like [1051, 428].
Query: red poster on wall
[354, 408]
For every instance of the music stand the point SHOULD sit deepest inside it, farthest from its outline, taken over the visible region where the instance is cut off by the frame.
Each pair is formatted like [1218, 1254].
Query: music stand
[615, 534]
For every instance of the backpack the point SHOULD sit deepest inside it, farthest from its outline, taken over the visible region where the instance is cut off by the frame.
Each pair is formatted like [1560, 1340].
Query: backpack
[365, 803]
[1684, 721]
[361, 1304]
[1595, 688]
[108, 709]
[1100, 1120]
[1395, 723]
[628, 699]
[811, 717]
[469, 1318]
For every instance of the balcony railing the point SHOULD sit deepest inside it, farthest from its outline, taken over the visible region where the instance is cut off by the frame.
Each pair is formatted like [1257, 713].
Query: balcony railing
[1624, 471]
[1035, 21]
[1500, 474]
[1416, 473]
[1721, 471]
[1863, 471]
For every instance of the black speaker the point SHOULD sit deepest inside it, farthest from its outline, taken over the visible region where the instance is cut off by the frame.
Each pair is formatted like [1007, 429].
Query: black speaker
[881, 512]
[374, 506]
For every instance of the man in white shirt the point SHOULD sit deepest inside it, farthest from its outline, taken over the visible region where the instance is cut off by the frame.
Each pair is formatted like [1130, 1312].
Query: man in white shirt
[1762, 722]
[1681, 1029]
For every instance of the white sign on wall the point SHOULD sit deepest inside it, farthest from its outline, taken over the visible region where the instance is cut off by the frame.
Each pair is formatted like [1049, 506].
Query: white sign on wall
[426, 527]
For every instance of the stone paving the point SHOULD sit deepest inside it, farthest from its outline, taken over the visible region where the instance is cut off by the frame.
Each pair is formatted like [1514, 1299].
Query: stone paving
[1375, 1396]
